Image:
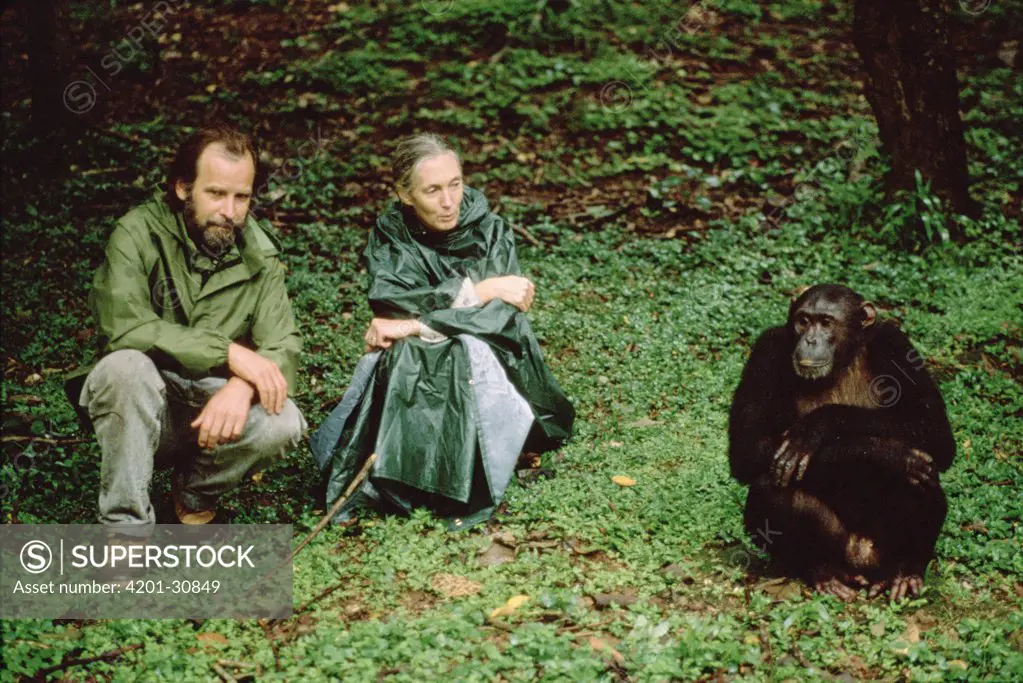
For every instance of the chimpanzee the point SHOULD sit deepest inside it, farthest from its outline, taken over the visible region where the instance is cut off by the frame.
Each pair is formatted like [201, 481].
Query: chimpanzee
[840, 433]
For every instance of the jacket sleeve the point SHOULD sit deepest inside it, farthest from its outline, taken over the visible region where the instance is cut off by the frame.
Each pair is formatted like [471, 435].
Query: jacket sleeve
[501, 257]
[121, 301]
[398, 286]
[273, 326]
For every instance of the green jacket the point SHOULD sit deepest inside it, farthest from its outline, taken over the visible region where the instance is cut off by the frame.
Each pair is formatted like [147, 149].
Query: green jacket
[156, 292]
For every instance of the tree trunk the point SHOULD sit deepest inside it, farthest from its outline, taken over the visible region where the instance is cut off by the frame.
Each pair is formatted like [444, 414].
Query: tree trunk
[913, 90]
[48, 111]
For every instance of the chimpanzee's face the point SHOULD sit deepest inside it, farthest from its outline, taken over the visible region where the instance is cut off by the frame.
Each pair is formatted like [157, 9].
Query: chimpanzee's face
[827, 331]
[819, 328]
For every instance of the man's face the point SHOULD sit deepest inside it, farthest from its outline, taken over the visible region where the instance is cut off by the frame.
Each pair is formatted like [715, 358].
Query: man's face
[217, 202]
[436, 192]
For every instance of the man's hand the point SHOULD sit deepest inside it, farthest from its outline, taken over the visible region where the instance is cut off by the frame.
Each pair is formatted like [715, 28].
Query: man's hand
[223, 417]
[261, 373]
[512, 289]
[383, 332]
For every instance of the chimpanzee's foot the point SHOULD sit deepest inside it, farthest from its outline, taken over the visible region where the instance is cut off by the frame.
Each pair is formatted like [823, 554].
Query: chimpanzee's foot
[861, 553]
[826, 581]
[906, 585]
[902, 585]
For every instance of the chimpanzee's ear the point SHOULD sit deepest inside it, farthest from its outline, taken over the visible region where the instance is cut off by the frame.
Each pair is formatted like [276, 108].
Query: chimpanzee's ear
[868, 314]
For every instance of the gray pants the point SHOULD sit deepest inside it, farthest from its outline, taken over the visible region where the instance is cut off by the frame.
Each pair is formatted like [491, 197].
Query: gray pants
[141, 416]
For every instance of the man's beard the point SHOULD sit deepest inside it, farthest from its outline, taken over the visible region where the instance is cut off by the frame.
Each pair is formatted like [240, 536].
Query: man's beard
[215, 236]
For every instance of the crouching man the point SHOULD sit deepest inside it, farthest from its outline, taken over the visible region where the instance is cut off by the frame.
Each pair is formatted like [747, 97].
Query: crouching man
[200, 347]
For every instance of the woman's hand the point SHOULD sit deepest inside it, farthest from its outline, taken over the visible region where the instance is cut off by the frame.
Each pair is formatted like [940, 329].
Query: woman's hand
[383, 332]
[511, 289]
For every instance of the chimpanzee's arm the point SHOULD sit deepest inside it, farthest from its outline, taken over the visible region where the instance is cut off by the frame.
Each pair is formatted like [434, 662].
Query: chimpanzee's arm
[910, 408]
[762, 407]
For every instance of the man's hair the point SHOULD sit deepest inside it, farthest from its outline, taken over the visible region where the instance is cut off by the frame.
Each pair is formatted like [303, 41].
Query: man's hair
[411, 150]
[186, 161]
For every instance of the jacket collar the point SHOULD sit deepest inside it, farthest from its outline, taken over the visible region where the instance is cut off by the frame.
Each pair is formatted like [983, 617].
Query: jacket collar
[241, 262]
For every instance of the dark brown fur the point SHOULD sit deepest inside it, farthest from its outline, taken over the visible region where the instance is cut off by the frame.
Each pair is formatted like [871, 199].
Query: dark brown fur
[838, 485]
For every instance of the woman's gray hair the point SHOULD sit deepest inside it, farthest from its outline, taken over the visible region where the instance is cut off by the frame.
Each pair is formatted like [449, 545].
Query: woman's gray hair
[413, 149]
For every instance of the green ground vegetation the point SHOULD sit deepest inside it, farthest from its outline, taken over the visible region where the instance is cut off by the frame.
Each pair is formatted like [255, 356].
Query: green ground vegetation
[642, 145]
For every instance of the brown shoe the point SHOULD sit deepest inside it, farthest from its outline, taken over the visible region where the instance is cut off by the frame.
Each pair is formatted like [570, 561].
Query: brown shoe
[185, 514]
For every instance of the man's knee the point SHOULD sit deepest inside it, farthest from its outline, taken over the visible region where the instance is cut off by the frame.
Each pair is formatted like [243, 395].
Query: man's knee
[121, 373]
[279, 432]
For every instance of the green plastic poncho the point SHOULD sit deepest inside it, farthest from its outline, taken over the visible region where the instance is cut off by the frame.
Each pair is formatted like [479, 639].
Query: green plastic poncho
[446, 418]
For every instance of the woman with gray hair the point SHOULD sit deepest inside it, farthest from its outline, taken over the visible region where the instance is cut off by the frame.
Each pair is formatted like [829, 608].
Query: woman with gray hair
[454, 385]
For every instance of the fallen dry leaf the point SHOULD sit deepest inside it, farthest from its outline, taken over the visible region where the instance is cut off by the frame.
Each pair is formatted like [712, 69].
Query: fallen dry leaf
[505, 537]
[622, 480]
[211, 638]
[622, 598]
[508, 608]
[453, 586]
[782, 589]
[497, 553]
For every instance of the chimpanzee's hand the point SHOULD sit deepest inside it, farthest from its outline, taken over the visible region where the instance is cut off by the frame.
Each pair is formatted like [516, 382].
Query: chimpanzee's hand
[919, 468]
[798, 446]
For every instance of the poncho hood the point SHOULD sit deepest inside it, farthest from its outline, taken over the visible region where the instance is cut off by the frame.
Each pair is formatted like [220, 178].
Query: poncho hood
[403, 219]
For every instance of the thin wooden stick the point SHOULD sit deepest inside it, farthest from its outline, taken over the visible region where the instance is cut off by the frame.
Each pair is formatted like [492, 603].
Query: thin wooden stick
[67, 664]
[41, 439]
[363, 473]
[359, 478]
[528, 236]
[324, 593]
[224, 675]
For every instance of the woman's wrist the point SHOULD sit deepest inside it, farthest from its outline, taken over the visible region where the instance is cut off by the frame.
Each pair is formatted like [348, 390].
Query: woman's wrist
[484, 290]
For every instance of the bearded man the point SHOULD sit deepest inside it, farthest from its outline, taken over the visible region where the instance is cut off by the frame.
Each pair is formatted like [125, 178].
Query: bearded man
[200, 347]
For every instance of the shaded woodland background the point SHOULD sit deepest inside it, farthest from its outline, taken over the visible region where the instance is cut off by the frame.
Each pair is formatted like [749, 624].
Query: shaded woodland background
[676, 172]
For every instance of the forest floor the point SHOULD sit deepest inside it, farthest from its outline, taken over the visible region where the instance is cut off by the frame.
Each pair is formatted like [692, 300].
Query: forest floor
[641, 145]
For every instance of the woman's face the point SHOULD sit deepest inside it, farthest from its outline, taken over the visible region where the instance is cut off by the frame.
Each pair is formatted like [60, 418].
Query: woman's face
[436, 192]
